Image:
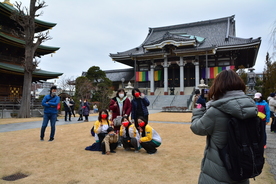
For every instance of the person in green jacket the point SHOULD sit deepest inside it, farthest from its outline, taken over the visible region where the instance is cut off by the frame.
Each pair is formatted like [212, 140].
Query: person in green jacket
[226, 96]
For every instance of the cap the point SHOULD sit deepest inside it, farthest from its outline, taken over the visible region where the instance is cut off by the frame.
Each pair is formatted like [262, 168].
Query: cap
[258, 95]
[272, 94]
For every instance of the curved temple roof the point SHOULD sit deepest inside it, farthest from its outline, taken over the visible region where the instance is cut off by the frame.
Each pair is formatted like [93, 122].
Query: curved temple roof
[10, 68]
[190, 39]
[7, 10]
[41, 50]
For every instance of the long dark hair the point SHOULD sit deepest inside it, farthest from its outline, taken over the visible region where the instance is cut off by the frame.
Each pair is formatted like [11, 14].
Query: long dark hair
[227, 80]
[146, 122]
[126, 128]
[133, 91]
[120, 90]
[100, 117]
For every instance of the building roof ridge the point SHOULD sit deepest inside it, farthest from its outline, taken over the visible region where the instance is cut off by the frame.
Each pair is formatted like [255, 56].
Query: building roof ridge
[192, 24]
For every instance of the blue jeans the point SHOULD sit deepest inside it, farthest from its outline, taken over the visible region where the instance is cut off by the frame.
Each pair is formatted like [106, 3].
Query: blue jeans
[46, 118]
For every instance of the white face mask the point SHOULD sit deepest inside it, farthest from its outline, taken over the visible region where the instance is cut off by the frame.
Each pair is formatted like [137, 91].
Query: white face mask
[121, 95]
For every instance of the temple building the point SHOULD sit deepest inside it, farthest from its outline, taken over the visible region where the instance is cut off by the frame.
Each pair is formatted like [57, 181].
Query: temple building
[12, 51]
[179, 56]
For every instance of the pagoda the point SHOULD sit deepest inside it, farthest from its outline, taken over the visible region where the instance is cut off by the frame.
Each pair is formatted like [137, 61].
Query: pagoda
[179, 56]
[12, 51]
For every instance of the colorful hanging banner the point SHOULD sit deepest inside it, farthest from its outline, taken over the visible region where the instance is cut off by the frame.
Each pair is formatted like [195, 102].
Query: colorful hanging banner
[157, 75]
[213, 71]
[142, 76]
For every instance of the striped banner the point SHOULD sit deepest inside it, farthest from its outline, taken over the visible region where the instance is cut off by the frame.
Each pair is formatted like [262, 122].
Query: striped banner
[157, 75]
[142, 76]
[213, 71]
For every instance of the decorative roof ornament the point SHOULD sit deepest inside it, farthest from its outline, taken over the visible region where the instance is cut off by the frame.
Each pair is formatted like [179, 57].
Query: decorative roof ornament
[7, 2]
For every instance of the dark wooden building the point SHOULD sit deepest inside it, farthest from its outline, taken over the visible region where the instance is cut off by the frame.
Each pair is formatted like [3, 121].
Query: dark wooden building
[12, 51]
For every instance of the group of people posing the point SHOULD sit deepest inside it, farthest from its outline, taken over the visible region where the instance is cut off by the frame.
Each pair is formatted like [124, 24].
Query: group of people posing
[115, 127]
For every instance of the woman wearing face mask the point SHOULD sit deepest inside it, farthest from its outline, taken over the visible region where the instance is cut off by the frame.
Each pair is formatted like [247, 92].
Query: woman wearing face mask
[101, 125]
[100, 129]
[139, 106]
[129, 135]
[120, 106]
[150, 139]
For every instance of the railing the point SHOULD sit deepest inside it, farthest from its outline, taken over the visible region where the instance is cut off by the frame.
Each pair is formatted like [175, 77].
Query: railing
[189, 100]
[155, 99]
[173, 98]
[13, 108]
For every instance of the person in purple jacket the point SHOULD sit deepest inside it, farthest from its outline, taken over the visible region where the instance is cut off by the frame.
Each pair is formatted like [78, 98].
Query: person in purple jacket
[50, 103]
[263, 108]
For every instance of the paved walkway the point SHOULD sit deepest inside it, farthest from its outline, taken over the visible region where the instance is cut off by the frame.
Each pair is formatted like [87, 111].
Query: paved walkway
[270, 152]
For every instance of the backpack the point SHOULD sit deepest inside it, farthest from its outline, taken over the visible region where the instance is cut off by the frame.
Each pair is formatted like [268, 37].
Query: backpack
[243, 154]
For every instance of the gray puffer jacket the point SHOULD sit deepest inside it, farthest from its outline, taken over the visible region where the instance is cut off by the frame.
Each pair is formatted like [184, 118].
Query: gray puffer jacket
[213, 124]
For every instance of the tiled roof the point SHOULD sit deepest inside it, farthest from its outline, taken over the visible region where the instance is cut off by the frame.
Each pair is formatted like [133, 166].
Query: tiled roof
[20, 69]
[219, 33]
[41, 25]
[42, 50]
[117, 75]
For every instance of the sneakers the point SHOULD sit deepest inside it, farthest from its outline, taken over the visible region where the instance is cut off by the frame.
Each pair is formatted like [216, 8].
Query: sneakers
[51, 139]
[113, 151]
[41, 139]
[136, 151]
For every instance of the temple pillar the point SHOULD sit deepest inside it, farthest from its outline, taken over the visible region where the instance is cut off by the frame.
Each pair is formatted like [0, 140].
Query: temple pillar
[181, 64]
[152, 79]
[165, 65]
[196, 63]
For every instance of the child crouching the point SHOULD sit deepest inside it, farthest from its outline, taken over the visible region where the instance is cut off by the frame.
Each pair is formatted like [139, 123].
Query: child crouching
[110, 142]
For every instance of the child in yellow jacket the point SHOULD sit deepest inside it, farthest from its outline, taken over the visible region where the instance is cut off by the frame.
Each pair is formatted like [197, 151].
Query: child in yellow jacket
[150, 139]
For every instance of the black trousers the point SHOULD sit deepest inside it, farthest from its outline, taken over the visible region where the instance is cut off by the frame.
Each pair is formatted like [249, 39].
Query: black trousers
[112, 146]
[150, 147]
[130, 143]
[101, 137]
[69, 114]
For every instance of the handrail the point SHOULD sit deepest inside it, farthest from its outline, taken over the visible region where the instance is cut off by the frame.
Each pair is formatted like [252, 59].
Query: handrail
[155, 99]
[190, 99]
[173, 98]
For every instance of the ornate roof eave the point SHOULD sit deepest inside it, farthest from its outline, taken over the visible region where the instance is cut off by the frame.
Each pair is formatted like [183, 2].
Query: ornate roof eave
[41, 25]
[171, 42]
[240, 46]
[42, 50]
[198, 51]
[19, 70]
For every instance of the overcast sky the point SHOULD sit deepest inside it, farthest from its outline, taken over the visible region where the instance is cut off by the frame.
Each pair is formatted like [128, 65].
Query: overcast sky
[88, 31]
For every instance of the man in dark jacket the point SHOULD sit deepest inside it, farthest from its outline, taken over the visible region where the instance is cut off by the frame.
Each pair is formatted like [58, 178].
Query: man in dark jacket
[50, 103]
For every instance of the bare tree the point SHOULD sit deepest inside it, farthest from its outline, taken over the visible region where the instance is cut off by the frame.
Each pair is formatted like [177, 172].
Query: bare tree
[67, 84]
[26, 30]
[84, 88]
[273, 39]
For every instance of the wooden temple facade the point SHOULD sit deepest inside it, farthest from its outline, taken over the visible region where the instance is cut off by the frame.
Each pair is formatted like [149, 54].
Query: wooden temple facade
[12, 51]
[182, 55]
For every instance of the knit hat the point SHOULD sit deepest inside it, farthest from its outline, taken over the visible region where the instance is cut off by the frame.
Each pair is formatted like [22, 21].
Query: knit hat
[272, 94]
[258, 95]
[197, 92]
[109, 129]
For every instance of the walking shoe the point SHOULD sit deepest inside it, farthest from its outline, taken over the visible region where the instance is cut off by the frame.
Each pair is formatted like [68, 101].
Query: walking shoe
[41, 139]
[136, 151]
[51, 139]
[112, 151]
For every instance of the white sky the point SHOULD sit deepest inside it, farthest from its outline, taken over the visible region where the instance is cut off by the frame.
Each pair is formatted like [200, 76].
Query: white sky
[88, 31]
